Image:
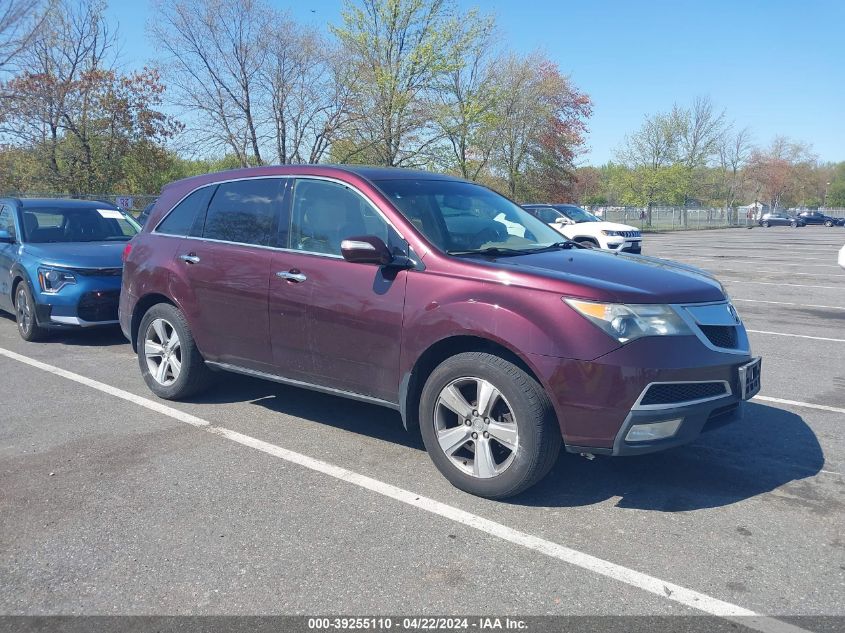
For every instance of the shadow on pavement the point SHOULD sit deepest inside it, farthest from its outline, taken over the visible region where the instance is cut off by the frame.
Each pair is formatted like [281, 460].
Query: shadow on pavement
[342, 413]
[105, 336]
[768, 448]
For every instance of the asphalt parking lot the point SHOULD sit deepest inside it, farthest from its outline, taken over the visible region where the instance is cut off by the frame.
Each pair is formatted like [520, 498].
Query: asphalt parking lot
[242, 501]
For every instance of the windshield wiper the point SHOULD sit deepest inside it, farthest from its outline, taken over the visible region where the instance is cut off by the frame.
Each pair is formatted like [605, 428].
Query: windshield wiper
[492, 250]
[556, 246]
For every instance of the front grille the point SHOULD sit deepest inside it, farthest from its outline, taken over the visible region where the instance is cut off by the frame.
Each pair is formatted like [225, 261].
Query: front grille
[98, 272]
[629, 233]
[720, 335]
[679, 392]
[99, 306]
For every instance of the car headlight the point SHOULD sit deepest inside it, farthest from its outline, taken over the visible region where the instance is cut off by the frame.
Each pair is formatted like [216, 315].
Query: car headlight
[54, 279]
[627, 322]
[610, 233]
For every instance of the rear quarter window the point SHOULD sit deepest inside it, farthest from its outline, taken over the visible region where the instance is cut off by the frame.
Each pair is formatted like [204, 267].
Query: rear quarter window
[187, 216]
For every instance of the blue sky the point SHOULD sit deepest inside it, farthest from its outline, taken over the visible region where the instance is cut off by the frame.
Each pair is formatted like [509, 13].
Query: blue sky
[777, 67]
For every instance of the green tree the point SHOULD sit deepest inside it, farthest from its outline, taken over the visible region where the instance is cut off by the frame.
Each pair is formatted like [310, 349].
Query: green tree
[400, 50]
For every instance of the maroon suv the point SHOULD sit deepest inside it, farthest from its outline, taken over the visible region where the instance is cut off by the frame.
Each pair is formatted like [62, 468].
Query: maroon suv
[441, 299]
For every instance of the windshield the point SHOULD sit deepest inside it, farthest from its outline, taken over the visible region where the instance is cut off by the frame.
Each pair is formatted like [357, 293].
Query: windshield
[577, 214]
[462, 218]
[55, 224]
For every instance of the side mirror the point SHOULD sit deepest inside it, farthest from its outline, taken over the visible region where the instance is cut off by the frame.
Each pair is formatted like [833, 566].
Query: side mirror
[6, 238]
[563, 220]
[367, 249]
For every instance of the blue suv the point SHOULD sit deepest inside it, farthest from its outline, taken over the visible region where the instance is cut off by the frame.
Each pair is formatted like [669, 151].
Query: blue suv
[61, 262]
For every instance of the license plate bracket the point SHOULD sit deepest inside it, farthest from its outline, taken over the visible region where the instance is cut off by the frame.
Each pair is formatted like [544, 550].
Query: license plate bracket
[749, 378]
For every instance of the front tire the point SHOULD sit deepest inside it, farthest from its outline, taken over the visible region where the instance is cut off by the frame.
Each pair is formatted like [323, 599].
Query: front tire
[487, 425]
[794, 225]
[828, 223]
[766, 224]
[28, 326]
[170, 362]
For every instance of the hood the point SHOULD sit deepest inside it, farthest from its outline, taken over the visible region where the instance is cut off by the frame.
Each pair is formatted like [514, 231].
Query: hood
[614, 226]
[78, 254]
[617, 277]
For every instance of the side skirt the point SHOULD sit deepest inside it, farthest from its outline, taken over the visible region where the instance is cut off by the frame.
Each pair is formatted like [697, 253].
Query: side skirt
[304, 385]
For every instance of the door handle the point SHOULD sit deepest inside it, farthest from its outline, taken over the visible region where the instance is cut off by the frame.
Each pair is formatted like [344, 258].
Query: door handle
[190, 259]
[292, 275]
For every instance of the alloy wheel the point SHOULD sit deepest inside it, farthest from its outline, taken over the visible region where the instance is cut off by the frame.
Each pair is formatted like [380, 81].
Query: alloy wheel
[476, 427]
[23, 311]
[163, 352]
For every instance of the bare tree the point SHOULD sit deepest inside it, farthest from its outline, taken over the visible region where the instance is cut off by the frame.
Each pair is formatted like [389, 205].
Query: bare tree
[310, 88]
[50, 98]
[734, 150]
[20, 22]
[700, 131]
[215, 51]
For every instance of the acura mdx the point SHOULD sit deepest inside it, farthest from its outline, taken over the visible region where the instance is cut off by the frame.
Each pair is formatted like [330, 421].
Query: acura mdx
[492, 335]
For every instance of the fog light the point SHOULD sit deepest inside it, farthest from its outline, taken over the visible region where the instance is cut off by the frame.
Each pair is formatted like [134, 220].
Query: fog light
[655, 431]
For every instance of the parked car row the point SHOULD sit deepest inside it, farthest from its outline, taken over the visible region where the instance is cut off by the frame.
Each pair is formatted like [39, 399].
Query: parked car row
[495, 337]
[782, 218]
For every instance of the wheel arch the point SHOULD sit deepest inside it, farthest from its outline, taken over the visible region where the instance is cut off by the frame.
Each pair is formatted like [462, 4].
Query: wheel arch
[141, 307]
[413, 382]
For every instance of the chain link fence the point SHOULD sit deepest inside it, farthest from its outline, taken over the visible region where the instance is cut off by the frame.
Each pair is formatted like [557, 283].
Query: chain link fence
[681, 219]
[662, 218]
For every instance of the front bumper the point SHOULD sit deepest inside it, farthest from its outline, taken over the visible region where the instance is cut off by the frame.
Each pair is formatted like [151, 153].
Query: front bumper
[627, 245]
[92, 302]
[598, 402]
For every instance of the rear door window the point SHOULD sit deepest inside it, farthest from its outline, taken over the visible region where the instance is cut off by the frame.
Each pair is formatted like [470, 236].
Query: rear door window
[246, 211]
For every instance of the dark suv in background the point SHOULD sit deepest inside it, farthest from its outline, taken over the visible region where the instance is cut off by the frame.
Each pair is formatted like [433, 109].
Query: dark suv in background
[441, 299]
[816, 217]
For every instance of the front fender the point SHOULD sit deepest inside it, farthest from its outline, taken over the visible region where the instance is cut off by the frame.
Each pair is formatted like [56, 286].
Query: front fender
[524, 320]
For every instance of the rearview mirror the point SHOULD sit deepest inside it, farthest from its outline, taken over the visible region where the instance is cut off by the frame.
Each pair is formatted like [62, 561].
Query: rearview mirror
[367, 249]
[5, 237]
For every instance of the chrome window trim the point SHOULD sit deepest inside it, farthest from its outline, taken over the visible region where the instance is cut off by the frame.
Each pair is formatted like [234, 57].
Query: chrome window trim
[683, 403]
[281, 176]
[247, 245]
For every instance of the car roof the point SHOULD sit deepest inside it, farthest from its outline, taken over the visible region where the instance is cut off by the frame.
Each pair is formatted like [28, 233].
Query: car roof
[64, 203]
[367, 172]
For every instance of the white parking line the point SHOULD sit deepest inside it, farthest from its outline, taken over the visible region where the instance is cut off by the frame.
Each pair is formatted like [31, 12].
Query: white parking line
[651, 584]
[815, 338]
[787, 303]
[729, 260]
[797, 403]
[777, 283]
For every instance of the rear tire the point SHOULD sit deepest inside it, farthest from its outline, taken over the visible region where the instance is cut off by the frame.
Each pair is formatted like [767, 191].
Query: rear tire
[512, 439]
[170, 362]
[28, 326]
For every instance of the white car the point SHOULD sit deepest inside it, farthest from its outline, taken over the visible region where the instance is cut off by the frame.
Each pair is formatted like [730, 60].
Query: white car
[579, 225]
[842, 257]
